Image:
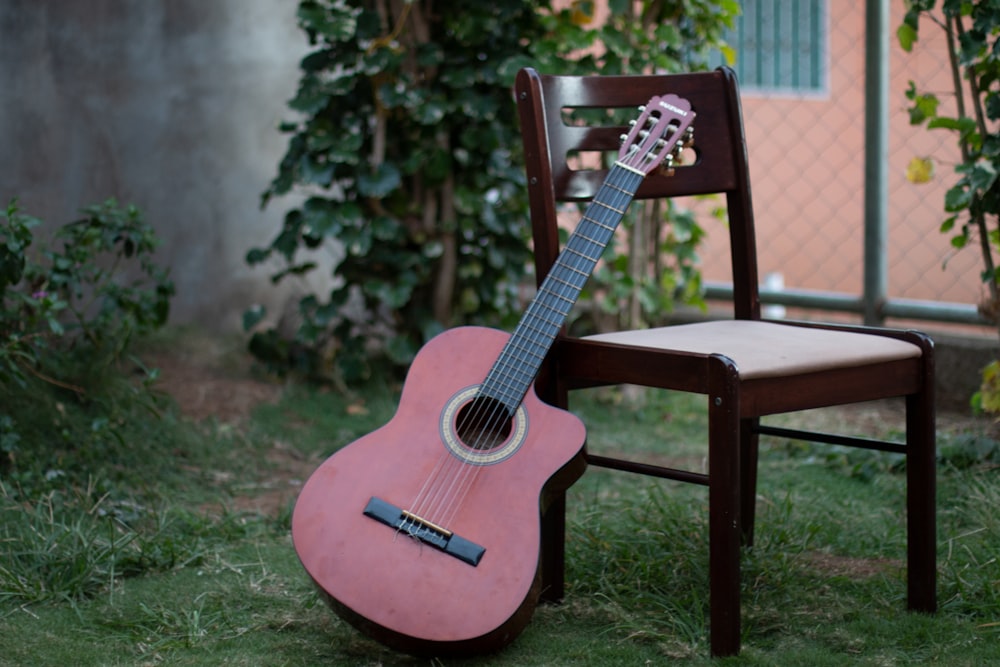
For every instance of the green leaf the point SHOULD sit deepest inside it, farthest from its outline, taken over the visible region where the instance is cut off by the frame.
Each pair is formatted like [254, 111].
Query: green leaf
[55, 326]
[431, 112]
[11, 268]
[385, 228]
[252, 316]
[924, 107]
[336, 24]
[257, 255]
[964, 126]
[316, 170]
[993, 103]
[380, 182]
[957, 198]
[907, 36]
[400, 350]
[982, 176]
[369, 24]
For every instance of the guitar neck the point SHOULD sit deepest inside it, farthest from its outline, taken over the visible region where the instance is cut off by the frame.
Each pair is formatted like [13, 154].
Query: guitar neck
[514, 371]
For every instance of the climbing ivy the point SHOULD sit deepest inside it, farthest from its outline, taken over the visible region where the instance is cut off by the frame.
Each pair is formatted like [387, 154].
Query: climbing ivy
[404, 148]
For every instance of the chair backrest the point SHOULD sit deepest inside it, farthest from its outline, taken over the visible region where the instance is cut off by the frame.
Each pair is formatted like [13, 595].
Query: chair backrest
[720, 166]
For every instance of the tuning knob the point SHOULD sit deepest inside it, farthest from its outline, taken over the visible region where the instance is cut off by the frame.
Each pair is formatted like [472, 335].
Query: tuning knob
[688, 139]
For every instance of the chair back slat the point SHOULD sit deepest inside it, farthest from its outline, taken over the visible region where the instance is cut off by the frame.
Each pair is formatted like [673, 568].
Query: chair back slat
[554, 150]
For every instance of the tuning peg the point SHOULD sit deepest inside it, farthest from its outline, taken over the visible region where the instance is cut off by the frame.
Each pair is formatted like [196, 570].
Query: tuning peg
[622, 138]
[688, 139]
[667, 166]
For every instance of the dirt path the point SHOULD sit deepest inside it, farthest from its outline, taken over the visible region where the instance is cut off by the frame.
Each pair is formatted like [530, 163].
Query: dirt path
[213, 379]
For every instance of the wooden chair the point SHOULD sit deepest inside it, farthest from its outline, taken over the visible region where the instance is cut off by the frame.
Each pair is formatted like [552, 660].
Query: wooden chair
[746, 367]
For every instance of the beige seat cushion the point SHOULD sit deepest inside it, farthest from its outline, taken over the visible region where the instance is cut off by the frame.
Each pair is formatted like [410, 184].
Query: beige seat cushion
[768, 349]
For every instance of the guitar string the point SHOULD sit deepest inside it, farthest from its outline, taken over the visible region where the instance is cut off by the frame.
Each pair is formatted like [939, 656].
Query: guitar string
[567, 291]
[595, 231]
[528, 338]
[459, 477]
[486, 418]
[489, 423]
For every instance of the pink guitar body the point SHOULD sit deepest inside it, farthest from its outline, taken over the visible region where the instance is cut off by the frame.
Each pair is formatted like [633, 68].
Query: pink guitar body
[403, 591]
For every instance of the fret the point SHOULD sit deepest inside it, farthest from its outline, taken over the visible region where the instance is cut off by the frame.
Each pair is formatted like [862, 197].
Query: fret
[557, 279]
[615, 187]
[586, 257]
[540, 329]
[540, 302]
[566, 287]
[510, 370]
[528, 350]
[584, 274]
[611, 208]
[551, 318]
[563, 297]
[589, 239]
[553, 323]
[614, 224]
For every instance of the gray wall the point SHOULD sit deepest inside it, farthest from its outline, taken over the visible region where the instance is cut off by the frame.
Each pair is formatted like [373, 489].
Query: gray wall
[168, 104]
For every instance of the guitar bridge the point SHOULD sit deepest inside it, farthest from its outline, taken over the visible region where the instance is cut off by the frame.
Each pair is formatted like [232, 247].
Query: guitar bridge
[427, 532]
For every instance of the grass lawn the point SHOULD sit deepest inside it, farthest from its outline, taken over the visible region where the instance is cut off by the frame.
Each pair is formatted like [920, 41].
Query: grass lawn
[174, 548]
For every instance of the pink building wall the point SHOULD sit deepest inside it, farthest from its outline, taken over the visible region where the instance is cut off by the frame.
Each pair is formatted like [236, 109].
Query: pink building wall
[807, 171]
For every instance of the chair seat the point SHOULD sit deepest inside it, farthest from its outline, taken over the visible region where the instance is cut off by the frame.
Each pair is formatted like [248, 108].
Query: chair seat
[769, 349]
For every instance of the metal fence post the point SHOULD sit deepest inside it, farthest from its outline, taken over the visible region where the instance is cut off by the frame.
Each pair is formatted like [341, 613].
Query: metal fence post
[876, 272]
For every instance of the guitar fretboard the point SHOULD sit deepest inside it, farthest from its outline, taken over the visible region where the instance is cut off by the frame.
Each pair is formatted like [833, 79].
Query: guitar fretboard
[518, 364]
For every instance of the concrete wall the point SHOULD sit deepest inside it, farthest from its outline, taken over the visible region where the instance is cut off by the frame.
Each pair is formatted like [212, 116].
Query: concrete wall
[168, 104]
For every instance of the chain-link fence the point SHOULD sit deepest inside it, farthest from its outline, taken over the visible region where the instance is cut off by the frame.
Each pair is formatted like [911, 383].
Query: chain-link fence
[807, 145]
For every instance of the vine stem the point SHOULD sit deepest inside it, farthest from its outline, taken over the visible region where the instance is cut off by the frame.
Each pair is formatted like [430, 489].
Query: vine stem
[954, 30]
[51, 380]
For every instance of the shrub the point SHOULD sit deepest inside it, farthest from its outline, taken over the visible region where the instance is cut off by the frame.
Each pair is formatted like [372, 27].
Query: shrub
[67, 313]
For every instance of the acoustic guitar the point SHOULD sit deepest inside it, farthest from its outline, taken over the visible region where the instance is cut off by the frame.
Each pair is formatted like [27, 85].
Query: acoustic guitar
[425, 533]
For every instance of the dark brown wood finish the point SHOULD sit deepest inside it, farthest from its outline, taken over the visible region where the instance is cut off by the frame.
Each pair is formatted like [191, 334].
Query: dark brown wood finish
[735, 403]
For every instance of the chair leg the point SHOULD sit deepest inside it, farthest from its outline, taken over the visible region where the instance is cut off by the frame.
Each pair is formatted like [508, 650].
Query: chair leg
[921, 484]
[724, 507]
[553, 538]
[553, 556]
[749, 439]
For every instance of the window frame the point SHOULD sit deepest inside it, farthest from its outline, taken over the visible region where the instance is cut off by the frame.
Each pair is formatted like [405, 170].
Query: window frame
[818, 85]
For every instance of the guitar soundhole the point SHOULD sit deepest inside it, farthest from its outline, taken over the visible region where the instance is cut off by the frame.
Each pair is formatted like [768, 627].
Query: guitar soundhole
[483, 423]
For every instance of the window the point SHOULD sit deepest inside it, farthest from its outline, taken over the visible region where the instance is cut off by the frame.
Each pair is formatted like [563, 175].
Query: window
[781, 45]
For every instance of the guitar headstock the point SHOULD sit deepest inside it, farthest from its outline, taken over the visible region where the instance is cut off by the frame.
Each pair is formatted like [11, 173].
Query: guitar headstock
[662, 131]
